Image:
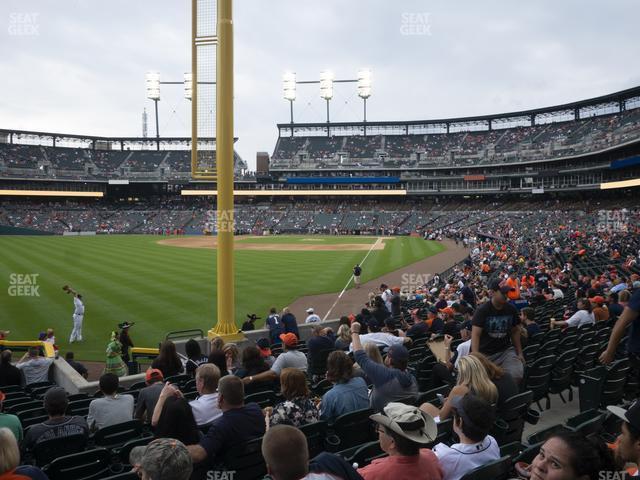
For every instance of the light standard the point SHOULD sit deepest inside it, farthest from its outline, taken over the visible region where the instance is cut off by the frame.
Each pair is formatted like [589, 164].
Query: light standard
[152, 81]
[289, 89]
[364, 91]
[326, 88]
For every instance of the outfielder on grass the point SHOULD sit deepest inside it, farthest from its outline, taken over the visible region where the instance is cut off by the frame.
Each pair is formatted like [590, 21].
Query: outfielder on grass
[78, 314]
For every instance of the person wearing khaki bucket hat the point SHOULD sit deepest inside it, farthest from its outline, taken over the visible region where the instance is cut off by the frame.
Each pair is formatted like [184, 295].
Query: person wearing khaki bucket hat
[404, 432]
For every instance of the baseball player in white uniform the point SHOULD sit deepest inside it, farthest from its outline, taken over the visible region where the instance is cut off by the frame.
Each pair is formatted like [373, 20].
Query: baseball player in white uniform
[78, 315]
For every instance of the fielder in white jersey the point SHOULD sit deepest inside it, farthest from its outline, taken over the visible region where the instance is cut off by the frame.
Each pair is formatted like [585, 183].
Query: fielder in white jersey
[78, 315]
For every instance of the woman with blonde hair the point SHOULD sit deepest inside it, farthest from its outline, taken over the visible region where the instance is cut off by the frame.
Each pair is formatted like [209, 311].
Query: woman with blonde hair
[10, 459]
[504, 382]
[472, 378]
[343, 339]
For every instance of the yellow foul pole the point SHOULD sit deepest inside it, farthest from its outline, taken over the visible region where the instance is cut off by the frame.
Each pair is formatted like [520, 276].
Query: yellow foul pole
[226, 324]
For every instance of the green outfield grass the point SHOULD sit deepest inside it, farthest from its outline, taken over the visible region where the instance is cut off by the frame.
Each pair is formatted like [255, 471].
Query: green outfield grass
[165, 288]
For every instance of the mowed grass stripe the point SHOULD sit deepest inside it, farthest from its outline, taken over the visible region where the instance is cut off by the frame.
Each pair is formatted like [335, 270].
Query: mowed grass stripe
[163, 289]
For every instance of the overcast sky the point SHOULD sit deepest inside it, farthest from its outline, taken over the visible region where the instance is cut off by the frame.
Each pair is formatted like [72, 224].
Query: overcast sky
[77, 66]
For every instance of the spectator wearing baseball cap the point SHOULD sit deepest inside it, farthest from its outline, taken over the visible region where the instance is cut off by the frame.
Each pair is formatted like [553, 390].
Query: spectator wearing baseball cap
[403, 432]
[423, 327]
[599, 308]
[496, 331]
[473, 418]
[254, 363]
[628, 447]
[311, 316]
[148, 396]
[584, 316]
[290, 358]
[265, 350]
[58, 425]
[9, 421]
[162, 459]
[391, 381]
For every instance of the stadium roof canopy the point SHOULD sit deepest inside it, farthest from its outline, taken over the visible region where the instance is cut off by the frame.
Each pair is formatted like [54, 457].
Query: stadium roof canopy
[603, 105]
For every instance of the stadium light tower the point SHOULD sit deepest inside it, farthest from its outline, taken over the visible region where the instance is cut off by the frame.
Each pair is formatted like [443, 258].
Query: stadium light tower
[152, 80]
[188, 86]
[326, 88]
[289, 89]
[364, 90]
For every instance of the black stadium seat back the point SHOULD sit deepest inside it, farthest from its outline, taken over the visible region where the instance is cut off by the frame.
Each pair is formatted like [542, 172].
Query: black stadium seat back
[541, 435]
[316, 434]
[528, 454]
[138, 386]
[588, 422]
[353, 428]
[79, 407]
[246, 460]
[431, 396]
[21, 405]
[12, 389]
[33, 386]
[178, 380]
[115, 436]
[322, 387]
[366, 453]
[31, 413]
[125, 451]
[318, 363]
[514, 412]
[264, 399]
[497, 470]
[47, 451]
[88, 465]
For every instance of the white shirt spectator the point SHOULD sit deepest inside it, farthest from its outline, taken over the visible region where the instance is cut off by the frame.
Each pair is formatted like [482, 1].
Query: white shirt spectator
[463, 350]
[460, 458]
[380, 339]
[312, 318]
[290, 359]
[557, 293]
[205, 408]
[580, 318]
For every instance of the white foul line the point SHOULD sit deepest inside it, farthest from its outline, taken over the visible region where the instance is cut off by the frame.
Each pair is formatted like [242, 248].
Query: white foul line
[349, 281]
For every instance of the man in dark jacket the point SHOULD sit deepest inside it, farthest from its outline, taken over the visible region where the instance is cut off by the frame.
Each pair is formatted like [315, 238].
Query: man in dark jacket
[290, 323]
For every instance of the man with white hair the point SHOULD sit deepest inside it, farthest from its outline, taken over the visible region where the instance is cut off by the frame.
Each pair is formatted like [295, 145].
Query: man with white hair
[312, 317]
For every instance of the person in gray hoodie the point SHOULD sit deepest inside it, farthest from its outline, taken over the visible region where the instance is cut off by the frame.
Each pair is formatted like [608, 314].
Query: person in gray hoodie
[391, 381]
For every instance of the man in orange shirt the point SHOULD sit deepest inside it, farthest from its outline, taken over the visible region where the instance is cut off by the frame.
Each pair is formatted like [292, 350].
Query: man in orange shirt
[514, 283]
